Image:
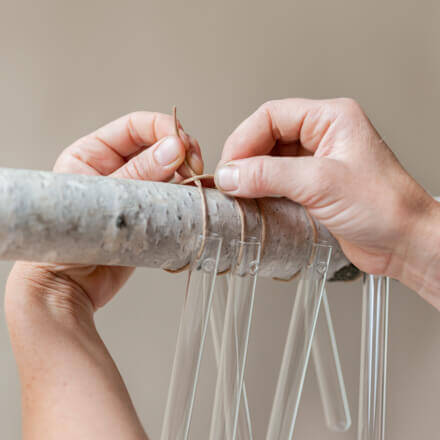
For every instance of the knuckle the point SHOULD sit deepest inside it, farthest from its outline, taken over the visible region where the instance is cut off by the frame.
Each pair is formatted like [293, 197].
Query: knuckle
[258, 176]
[135, 169]
[132, 129]
[266, 106]
[64, 161]
[349, 106]
[269, 106]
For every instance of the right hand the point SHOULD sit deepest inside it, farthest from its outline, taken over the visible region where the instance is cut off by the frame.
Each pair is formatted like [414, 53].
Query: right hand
[331, 160]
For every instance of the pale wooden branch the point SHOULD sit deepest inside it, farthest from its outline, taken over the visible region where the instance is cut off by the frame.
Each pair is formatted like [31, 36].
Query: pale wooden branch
[99, 220]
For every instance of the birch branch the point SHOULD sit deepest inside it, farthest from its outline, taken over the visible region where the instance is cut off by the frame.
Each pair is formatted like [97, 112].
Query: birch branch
[63, 218]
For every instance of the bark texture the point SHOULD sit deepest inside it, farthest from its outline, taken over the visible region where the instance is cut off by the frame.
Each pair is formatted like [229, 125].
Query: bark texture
[99, 220]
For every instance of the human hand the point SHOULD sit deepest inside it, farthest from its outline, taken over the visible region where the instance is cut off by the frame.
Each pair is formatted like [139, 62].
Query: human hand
[327, 156]
[141, 146]
[64, 365]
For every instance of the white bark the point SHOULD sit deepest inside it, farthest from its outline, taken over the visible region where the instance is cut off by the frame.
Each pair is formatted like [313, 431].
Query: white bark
[99, 220]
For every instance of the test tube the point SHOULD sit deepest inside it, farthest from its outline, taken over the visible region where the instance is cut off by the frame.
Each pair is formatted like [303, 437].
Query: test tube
[298, 344]
[218, 310]
[329, 372]
[190, 340]
[235, 337]
[374, 339]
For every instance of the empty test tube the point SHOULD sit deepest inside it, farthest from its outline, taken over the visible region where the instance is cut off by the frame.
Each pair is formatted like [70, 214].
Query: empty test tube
[218, 310]
[235, 337]
[372, 384]
[298, 344]
[329, 372]
[190, 340]
[325, 358]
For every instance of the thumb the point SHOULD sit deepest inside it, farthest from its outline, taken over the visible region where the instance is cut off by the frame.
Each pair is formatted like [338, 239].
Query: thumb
[158, 162]
[302, 179]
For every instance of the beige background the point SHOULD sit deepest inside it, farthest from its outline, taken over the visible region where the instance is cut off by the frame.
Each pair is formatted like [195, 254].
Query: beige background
[68, 67]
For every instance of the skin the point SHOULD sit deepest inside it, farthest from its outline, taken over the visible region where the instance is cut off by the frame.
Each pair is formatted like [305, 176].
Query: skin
[325, 155]
[70, 386]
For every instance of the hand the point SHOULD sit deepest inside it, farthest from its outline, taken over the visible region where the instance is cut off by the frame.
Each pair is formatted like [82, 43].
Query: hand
[327, 156]
[70, 385]
[137, 146]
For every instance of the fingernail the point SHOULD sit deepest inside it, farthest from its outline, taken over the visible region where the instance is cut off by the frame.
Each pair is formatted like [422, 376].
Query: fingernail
[168, 151]
[185, 138]
[226, 178]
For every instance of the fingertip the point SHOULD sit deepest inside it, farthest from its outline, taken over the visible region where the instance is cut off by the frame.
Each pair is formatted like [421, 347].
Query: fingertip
[185, 138]
[195, 156]
[195, 162]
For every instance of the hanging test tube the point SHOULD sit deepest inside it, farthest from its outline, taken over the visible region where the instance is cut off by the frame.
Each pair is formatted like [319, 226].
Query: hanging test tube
[235, 337]
[218, 310]
[298, 344]
[374, 339]
[190, 340]
[329, 372]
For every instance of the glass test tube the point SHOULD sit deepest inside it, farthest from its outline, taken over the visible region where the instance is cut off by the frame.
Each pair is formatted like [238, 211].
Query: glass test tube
[372, 384]
[235, 339]
[329, 372]
[218, 310]
[324, 354]
[298, 344]
[190, 340]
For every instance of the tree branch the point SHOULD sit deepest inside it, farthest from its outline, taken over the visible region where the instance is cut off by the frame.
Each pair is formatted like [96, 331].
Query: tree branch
[100, 220]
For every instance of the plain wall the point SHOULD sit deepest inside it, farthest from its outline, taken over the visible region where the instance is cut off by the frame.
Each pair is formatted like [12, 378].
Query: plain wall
[69, 67]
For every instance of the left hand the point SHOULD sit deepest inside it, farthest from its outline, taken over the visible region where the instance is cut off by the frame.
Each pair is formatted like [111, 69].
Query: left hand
[70, 385]
[140, 145]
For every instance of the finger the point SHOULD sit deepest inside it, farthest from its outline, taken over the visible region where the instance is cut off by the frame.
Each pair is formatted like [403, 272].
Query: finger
[193, 157]
[303, 179]
[158, 162]
[286, 121]
[110, 147]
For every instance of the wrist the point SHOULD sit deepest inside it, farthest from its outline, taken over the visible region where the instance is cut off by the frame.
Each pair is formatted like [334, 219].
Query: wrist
[50, 323]
[418, 263]
[35, 296]
[63, 364]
